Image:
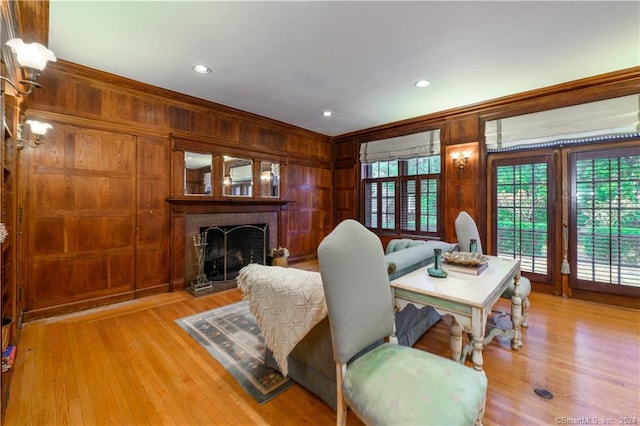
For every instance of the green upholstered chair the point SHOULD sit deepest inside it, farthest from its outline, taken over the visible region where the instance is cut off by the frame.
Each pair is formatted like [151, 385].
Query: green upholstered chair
[391, 384]
[466, 229]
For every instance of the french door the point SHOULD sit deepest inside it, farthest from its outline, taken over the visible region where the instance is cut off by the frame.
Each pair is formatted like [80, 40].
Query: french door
[524, 212]
[605, 220]
[591, 233]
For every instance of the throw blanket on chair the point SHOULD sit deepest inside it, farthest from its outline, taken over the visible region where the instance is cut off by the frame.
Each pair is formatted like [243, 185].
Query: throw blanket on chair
[286, 302]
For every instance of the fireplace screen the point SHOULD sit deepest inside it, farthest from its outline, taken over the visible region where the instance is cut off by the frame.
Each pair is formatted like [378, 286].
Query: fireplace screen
[229, 248]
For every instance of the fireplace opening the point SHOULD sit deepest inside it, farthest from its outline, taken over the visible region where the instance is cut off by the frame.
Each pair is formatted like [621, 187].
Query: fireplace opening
[229, 248]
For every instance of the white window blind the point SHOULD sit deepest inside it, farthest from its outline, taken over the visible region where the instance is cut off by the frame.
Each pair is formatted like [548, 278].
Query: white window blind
[409, 146]
[607, 119]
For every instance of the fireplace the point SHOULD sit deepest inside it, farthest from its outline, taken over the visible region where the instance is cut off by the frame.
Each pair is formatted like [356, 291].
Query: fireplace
[228, 249]
[190, 216]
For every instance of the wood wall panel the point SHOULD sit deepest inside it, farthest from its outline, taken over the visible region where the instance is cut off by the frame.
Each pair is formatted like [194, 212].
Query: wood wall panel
[271, 139]
[88, 99]
[125, 106]
[85, 169]
[84, 190]
[226, 128]
[51, 230]
[309, 216]
[180, 118]
[152, 215]
[152, 270]
[462, 192]
[345, 149]
[346, 177]
[463, 129]
[345, 198]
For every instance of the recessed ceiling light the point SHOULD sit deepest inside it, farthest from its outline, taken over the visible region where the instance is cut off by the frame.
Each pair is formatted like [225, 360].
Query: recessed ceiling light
[202, 69]
[327, 113]
[422, 83]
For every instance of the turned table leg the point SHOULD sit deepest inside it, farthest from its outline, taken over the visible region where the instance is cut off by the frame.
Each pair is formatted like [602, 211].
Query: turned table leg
[455, 340]
[516, 314]
[476, 356]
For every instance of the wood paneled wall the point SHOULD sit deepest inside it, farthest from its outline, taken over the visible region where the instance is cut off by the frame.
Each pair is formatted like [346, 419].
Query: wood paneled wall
[80, 216]
[96, 222]
[463, 129]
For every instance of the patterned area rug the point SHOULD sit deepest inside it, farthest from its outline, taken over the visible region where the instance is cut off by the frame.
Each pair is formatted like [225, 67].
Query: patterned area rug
[231, 336]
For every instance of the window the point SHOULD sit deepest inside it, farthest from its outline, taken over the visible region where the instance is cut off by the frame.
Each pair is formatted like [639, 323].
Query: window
[605, 213]
[401, 183]
[402, 195]
[523, 211]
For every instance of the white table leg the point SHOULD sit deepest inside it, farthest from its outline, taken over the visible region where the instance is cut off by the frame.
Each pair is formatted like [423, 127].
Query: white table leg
[478, 324]
[455, 340]
[476, 356]
[525, 309]
[516, 314]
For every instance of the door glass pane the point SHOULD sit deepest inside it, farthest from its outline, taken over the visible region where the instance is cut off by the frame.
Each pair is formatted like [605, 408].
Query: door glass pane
[522, 214]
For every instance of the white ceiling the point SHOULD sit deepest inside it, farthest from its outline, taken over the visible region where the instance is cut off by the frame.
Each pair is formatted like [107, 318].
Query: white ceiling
[290, 61]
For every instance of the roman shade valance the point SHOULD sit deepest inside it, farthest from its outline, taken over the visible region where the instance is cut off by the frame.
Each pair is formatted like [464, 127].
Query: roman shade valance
[616, 118]
[421, 144]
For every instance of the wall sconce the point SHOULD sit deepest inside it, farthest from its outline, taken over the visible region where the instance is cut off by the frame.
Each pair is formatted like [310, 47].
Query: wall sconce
[226, 180]
[32, 58]
[38, 131]
[460, 161]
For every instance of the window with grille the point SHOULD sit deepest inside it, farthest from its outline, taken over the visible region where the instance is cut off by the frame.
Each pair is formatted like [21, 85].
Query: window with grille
[523, 219]
[404, 192]
[605, 213]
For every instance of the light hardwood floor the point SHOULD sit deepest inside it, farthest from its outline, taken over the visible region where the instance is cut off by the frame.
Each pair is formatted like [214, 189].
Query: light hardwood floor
[130, 364]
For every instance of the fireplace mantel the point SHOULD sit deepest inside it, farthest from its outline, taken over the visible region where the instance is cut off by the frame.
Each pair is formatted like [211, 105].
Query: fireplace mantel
[188, 213]
[195, 199]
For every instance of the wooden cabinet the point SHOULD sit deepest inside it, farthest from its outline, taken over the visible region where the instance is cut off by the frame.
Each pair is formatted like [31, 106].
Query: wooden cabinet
[8, 217]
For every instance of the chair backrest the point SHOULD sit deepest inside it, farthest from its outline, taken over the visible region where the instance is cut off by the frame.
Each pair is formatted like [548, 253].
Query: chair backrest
[466, 229]
[356, 289]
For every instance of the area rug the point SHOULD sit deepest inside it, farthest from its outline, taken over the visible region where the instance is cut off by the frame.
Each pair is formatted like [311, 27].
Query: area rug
[231, 336]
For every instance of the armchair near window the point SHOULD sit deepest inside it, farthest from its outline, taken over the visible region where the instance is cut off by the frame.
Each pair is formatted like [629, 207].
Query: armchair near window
[391, 384]
[466, 230]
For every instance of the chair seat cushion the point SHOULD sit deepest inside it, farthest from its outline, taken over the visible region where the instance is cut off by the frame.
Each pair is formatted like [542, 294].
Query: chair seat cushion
[525, 289]
[394, 384]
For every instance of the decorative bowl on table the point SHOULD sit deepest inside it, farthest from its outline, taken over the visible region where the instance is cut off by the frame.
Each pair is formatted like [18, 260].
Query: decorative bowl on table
[465, 258]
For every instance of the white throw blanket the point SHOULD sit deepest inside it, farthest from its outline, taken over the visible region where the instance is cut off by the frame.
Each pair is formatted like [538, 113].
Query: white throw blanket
[286, 302]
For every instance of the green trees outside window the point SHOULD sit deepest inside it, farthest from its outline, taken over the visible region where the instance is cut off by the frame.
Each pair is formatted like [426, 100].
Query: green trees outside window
[401, 196]
[607, 217]
[522, 214]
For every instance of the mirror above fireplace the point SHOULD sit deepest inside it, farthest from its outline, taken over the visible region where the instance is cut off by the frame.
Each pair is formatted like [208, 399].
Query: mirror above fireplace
[238, 177]
[197, 173]
[269, 179]
[204, 172]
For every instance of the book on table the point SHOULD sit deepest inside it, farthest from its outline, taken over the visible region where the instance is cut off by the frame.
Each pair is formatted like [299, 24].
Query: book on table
[472, 270]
